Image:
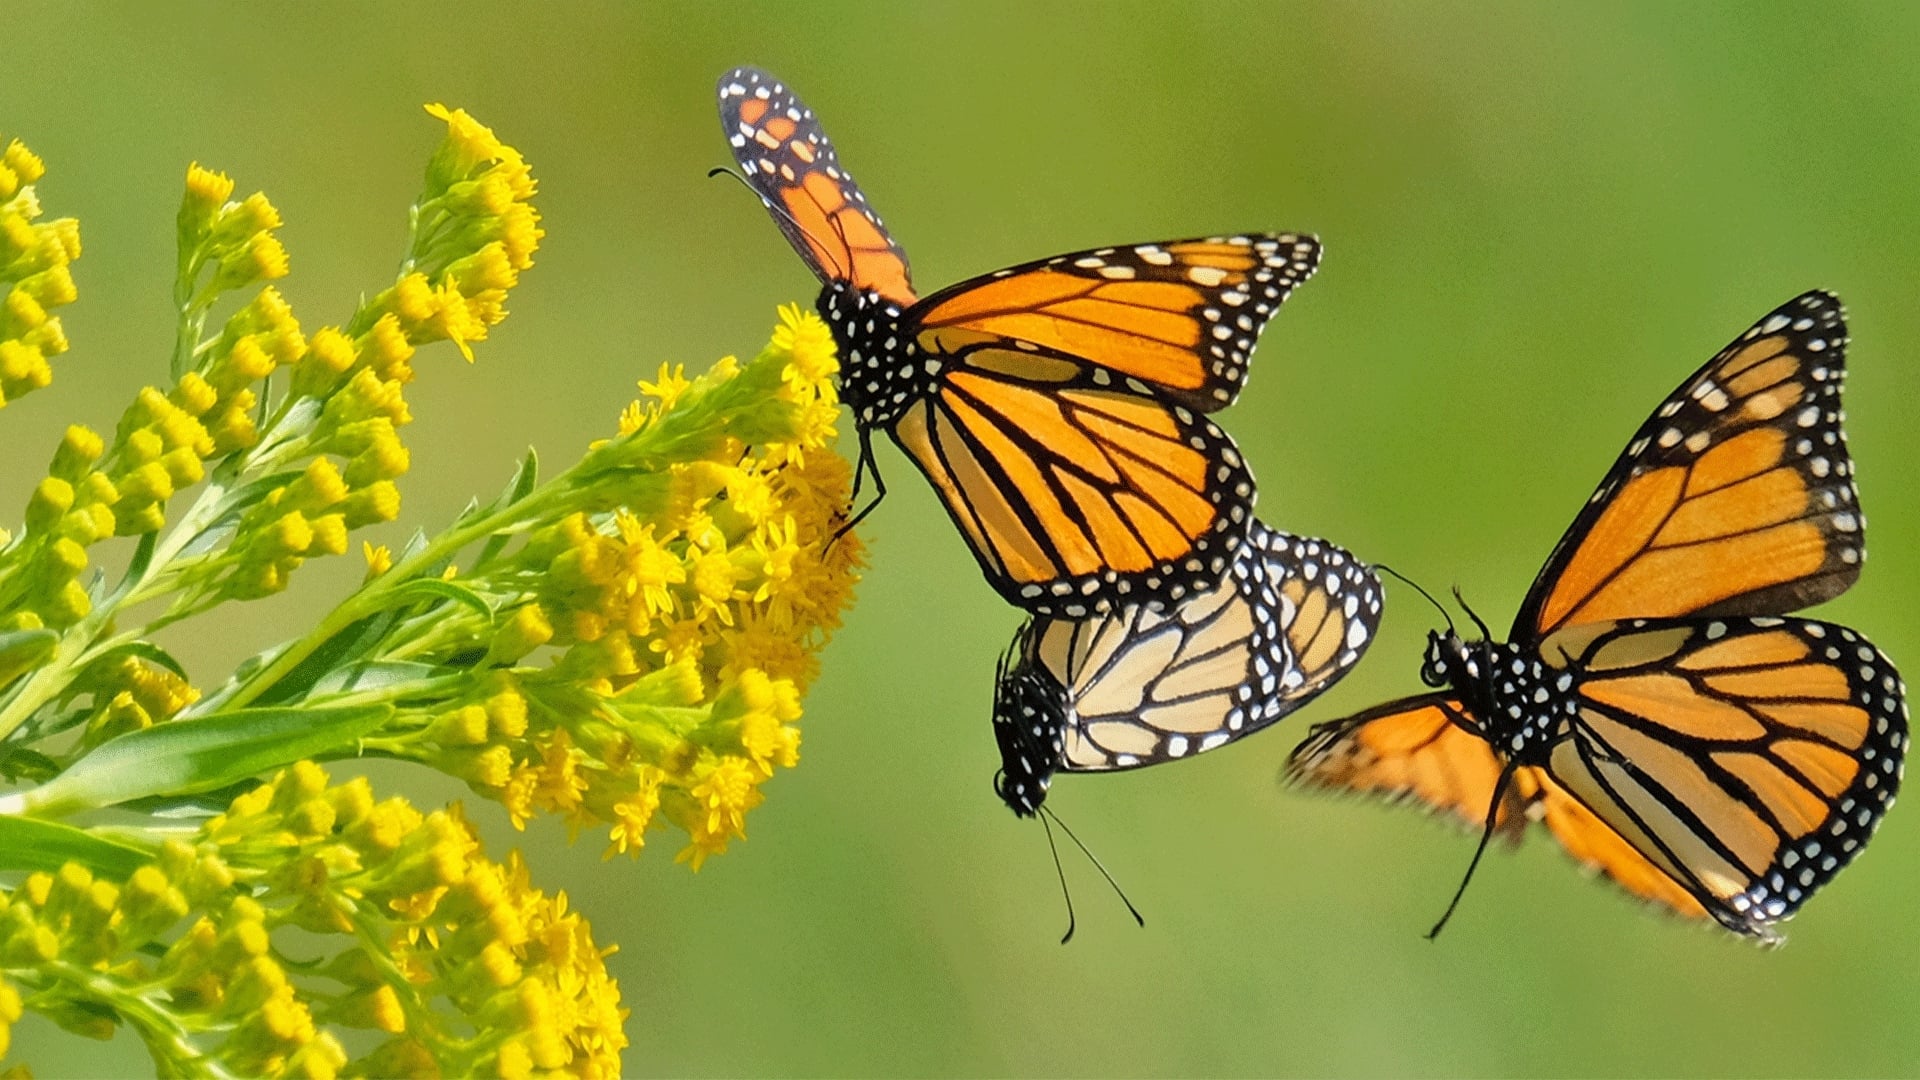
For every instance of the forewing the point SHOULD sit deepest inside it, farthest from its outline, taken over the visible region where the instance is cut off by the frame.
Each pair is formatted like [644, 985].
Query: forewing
[1735, 498]
[789, 162]
[1182, 316]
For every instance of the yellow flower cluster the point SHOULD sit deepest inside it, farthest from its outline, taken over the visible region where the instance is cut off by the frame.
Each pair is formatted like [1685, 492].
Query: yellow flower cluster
[34, 276]
[684, 618]
[416, 946]
[474, 232]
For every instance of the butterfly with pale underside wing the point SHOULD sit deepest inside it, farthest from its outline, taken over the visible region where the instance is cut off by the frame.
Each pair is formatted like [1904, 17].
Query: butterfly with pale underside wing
[1137, 687]
[1655, 706]
[1057, 407]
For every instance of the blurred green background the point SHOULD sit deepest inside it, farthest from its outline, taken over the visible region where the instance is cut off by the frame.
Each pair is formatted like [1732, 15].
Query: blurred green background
[1538, 218]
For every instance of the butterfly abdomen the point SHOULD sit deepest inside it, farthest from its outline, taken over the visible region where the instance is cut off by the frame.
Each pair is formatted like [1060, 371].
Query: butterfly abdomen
[1029, 724]
[882, 372]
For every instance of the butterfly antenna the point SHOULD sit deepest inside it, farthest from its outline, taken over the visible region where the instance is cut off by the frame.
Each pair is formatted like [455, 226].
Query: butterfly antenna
[1097, 865]
[1486, 835]
[1065, 893]
[1437, 605]
[1485, 634]
[780, 212]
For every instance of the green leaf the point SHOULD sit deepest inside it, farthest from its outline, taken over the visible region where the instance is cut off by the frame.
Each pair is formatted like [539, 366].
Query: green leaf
[374, 675]
[524, 480]
[196, 755]
[24, 650]
[21, 763]
[426, 590]
[354, 641]
[28, 844]
[142, 558]
[148, 651]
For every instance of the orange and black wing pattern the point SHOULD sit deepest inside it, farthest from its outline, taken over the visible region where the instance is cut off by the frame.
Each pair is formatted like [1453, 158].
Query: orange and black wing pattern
[1735, 498]
[787, 159]
[1424, 750]
[1748, 759]
[1076, 494]
[1180, 316]
[1719, 768]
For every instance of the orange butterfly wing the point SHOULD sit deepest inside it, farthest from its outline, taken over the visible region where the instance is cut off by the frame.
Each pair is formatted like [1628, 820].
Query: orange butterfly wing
[1423, 749]
[793, 167]
[1735, 498]
[1748, 758]
[1180, 316]
[1719, 768]
[1071, 493]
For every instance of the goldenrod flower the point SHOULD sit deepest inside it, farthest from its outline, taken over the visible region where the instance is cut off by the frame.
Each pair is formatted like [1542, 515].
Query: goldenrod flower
[35, 276]
[468, 941]
[622, 645]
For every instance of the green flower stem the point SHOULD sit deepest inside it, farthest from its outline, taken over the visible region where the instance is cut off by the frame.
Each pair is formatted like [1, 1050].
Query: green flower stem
[367, 600]
[159, 1029]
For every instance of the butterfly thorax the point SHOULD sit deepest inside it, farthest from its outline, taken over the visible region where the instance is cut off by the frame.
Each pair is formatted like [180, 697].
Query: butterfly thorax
[882, 372]
[1522, 704]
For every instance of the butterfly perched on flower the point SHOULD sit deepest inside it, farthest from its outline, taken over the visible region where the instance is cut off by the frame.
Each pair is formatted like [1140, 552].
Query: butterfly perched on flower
[1654, 706]
[1137, 687]
[1058, 407]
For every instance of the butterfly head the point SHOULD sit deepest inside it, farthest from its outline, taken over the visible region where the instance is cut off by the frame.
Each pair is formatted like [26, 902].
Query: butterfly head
[1029, 724]
[1452, 661]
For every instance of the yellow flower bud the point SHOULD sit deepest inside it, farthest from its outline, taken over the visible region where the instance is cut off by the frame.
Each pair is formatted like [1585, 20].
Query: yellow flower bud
[329, 535]
[66, 557]
[290, 533]
[526, 630]
[51, 499]
[140, 519]
[183, 467]
[388, 350]
[29, 946]
[464, 726]
[507, 713]
[147, 483]
[97, 489]
[246, 362]
[330, 351]
[520, 232]
[488, 268]
[52, 287]
[207, 192]
[22, 313]
[22, 162]
[23, 365]
[375, 503]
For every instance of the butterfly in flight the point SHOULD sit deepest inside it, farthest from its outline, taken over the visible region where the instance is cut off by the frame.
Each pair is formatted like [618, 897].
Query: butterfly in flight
[1137, 687]
[1058, 407]
[1654, 706]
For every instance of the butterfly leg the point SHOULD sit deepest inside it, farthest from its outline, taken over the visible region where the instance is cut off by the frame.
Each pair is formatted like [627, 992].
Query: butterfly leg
[865, 467]
[1486, 835]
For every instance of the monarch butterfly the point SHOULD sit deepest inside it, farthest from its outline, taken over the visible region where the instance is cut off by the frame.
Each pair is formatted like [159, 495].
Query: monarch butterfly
[1653, 707]
[1137, 687]
[1056, 406]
